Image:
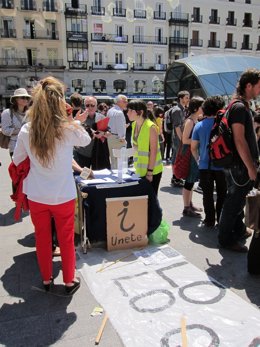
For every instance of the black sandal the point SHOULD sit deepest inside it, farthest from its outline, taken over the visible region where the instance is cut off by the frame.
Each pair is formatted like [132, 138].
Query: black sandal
[70, 290]
[47, 286]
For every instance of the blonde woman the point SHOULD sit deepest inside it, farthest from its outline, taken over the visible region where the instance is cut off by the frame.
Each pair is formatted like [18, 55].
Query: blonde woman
[48, 139]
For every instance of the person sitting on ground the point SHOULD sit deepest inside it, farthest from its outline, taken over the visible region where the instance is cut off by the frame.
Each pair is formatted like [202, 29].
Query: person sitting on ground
[48, 141]
[209, 175]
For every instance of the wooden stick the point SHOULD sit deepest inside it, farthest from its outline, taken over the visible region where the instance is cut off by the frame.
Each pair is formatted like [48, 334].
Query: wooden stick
[184, 332]
[101, 329]
[114, 262]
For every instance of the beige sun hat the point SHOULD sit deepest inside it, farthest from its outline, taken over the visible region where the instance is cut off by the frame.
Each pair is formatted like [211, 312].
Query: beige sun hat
[18, 93]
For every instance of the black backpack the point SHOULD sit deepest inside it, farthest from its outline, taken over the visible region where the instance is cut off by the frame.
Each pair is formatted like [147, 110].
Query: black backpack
[221, 145]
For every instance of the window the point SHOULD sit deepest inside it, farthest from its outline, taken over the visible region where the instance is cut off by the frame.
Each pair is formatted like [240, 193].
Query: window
[139, 59]
[12, 83]
[119, 30]
[119, 86]
[214, 17]
[52, 54]
[98, 58]
[158, 59]
[157, 86]
[98, 31]
[139, 33]
[78, 85]
[229, 42]
[8, 28]
[139, 86]
[248, 20]
[118, 7]
[99, 85]
[29, 31]
[196, 15]
[248, 1]
[119, 58]
[158, 34]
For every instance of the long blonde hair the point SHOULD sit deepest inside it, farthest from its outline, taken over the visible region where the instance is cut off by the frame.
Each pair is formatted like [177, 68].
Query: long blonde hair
[48, 118]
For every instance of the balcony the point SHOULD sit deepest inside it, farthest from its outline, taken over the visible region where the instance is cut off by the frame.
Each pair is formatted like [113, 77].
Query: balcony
[81, 10]
[150, 40]
[110, 66]
[196, 42]
[178, 17]
[109, 38]
[48, 64]
[50, 6]
[140, 14]
[119, 12]
[73, 36]
[247, 23]
[178, 41]
[13, 62]
[230, 45]
[214, 43]
[247, 46]
[214, 20]
[41, 34]
[159, 15]
[231, 21]
[8, 33]
[28, 5]
[149, 67]
[196, 18]
[98, 11]
[78, 65]
[7, 4]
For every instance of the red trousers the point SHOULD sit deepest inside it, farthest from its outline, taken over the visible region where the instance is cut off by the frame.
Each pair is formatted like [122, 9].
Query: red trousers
[63, 215]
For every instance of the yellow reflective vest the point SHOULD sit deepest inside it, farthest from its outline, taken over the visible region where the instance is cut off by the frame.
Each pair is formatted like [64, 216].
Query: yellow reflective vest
[141, 155]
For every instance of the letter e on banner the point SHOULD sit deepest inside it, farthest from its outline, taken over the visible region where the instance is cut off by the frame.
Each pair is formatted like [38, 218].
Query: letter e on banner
[127, 222]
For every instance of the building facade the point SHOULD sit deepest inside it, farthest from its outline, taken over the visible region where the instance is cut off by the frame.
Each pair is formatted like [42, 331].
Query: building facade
[105, 47]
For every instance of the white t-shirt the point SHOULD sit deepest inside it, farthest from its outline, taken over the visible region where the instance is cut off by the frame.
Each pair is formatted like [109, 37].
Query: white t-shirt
[54, 185]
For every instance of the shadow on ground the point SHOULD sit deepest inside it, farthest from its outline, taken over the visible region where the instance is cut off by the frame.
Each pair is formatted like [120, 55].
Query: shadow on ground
[31, 317]
[7, 219]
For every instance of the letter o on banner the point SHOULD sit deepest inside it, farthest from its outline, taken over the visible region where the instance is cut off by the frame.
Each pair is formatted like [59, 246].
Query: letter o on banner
[222, 292]
[136, 298]
[214, 342]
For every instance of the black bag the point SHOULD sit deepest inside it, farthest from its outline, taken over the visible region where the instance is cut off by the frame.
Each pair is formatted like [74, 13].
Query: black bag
[253, 256]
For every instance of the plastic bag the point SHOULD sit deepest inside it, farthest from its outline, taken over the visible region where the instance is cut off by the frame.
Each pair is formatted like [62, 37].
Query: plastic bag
[159, 236]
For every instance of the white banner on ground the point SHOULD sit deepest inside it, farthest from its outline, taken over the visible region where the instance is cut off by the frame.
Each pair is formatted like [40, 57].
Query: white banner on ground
[148, 295]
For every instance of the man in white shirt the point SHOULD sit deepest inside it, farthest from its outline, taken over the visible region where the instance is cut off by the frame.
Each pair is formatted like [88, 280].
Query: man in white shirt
[117, 125]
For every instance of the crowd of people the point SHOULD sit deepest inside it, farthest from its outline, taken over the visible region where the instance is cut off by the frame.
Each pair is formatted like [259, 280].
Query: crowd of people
[58, 138]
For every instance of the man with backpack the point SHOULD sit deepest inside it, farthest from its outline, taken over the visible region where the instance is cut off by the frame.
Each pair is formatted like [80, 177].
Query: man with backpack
[241, 175]
[209, 174]
[177, 117]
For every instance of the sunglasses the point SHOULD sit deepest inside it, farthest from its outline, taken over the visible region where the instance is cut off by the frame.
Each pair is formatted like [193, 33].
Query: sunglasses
[90, 105]
[24, 98]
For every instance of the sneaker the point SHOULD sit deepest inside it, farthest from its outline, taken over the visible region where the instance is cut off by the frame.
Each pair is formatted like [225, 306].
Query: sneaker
[198, 189]
[177, 182]
[188, 212]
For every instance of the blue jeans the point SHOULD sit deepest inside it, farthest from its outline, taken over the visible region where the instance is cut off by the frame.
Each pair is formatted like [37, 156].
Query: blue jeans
[231, 225]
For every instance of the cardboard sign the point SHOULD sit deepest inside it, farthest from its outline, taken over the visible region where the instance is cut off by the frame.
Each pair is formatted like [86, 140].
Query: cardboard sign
[127, 222]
